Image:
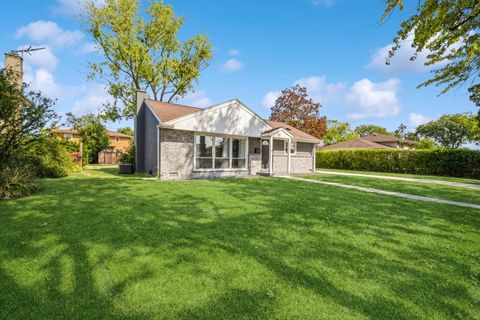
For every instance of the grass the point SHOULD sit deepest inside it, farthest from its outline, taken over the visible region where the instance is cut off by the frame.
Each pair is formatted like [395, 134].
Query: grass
[99, 246]
[421, 189]
[405, 175]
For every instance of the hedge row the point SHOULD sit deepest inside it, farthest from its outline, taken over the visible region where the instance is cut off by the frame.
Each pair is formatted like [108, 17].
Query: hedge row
[442, 162]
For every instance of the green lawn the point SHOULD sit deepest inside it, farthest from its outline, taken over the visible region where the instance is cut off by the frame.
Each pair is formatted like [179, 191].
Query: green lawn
[421, 189]
[403, 175]
[99, 246]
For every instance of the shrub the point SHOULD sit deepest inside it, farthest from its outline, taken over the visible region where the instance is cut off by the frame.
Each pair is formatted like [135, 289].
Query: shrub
[441, 162]
[16, 182]
[129, 156]
[51, 158]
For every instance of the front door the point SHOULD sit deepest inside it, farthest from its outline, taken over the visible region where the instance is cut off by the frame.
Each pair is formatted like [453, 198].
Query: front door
[265, 154]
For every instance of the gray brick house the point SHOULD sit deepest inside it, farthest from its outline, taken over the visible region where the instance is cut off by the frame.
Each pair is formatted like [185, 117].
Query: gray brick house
[225, 140]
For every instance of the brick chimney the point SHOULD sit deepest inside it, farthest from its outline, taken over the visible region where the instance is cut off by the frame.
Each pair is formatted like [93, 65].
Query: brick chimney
[141, 95]
[14, 63]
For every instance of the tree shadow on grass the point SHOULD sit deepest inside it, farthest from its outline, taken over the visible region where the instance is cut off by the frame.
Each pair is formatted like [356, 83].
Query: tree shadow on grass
[293, 230]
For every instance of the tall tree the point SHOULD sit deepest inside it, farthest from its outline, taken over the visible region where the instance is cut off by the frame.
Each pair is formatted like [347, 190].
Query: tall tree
[449, 31]
[370, 129]
[339, 131]
[294, 107]
[452, 131]
[142, 53]
[92, 134]
[23, 114]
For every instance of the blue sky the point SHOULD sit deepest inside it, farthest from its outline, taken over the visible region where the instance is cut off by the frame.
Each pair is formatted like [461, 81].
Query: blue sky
[336, 48]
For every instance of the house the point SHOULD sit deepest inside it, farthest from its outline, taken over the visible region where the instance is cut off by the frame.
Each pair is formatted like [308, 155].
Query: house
[117, 141]
[376, 141]
[226, 140]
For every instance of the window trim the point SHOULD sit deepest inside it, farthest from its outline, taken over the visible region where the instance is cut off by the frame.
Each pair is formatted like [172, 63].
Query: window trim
[292, 144]
[213, 135]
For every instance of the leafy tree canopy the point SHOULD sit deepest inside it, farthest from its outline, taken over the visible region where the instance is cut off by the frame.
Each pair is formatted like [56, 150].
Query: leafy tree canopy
[294, 107]
[448, 30]
[126, 130]
[142, 53]
[23, 114]
[370, 129]
[92, 133]
[452, 130]
[339, 131]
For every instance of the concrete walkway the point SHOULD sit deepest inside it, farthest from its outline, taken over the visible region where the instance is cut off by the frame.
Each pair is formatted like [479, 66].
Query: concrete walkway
[429, 181]
[388, 193]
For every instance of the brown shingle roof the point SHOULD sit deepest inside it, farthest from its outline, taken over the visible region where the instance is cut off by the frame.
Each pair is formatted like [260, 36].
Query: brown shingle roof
[355, 144]
[386, 138]
[296, 133]
[169, 111]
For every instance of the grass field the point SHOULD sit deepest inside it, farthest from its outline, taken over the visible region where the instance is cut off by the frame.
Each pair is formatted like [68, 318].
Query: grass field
[421, 189]
[99, 246]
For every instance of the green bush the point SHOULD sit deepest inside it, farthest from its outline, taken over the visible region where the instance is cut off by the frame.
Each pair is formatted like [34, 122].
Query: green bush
[440, 162]
[129, 156]
[51, 158]
[16, 182]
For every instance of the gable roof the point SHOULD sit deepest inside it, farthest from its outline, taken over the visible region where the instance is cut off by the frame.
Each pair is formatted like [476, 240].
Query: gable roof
[359, 143]
[386, 138]
[169, 111]
[296, 133]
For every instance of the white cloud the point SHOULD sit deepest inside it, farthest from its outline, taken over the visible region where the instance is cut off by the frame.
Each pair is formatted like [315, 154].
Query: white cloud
[197, 99]
[401, 60]
[234, 52]
[269, 99]
[45, 58]
[231, 65]
[416, 119]
[327, 3]
[49, 32]
[69, 7]
[364, 99]
[321, 91]
[93, 98]
[373, 100]
[43, 80]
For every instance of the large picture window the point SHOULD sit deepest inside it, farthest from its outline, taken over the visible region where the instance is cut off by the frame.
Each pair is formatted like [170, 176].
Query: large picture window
[213, 152]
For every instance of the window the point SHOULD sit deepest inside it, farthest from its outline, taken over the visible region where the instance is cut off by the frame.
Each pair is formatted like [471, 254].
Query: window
[68, 136]
[293, 147]
[117, 139]
[238, 153]
[203, 152]
[220, 153]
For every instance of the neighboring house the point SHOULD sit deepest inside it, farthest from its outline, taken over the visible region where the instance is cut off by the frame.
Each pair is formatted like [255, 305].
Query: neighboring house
[116, 141]
[226, 140]
[376, 141]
